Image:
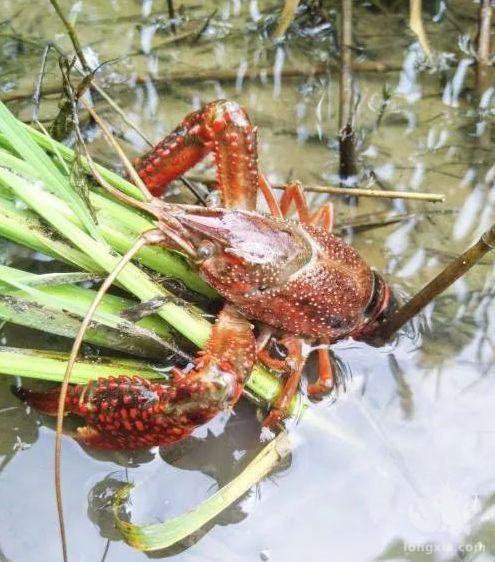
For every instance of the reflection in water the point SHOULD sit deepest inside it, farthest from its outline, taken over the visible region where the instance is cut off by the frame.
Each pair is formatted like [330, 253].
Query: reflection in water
[402, 459]
[17, 431]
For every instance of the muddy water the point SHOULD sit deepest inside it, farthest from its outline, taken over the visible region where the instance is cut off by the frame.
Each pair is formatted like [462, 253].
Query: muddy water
[400, 465]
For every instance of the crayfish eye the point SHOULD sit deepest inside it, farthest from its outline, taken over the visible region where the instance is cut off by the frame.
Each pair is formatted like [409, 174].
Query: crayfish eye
[277, 350]
[206, 249]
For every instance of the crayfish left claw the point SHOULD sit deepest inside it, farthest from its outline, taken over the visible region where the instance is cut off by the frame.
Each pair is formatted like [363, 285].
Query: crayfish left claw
[134, 413]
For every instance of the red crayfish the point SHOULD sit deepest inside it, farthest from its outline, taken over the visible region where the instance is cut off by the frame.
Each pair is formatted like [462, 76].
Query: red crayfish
[296, 281]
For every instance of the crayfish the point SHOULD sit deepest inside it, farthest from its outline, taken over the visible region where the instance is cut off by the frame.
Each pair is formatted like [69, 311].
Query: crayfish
[289, 287]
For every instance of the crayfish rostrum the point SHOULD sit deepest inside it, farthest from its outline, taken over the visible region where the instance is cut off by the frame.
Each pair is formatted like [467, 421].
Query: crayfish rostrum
[301, 287]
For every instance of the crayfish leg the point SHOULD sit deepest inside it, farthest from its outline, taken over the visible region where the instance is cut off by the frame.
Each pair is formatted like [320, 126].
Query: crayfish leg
[221, 127]
[294, 195]
[286, 355]
[326, 373]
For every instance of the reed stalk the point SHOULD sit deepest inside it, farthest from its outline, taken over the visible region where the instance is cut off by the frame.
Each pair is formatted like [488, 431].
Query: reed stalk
[436, 286]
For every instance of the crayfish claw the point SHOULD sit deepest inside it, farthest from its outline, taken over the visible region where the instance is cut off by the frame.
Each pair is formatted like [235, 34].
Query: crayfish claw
[135, 413]
[45, 401]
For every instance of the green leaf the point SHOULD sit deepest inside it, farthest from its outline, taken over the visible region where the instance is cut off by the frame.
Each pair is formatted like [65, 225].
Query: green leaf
[24, 227]
[51, 366]
[59, 309]
[51, 176]
[119, 226]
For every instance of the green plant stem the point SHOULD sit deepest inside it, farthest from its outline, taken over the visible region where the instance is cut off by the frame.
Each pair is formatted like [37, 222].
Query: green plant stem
[158, 536]
[51, 365]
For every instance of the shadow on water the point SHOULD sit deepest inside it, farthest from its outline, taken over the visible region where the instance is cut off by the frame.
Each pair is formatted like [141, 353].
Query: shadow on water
[225, 448]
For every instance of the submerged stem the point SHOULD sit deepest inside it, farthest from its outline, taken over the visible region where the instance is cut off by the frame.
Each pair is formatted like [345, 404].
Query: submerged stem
[286, 18]
[483, 62]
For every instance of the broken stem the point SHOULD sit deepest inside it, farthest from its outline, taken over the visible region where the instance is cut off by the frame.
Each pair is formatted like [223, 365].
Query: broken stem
[436, 286]
[346, 129]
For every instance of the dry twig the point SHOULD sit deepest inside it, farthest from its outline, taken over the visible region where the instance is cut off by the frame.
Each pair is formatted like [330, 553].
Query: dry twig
[417, 27]
[286, 18]
[375, 193]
